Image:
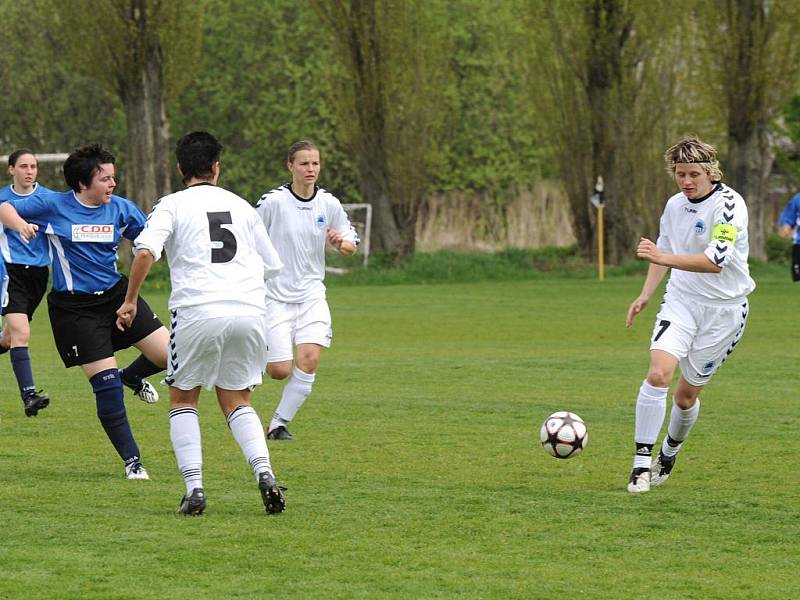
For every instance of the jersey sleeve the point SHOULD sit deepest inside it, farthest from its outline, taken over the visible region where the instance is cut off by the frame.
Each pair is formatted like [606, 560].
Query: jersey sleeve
[158, 228]
[34, 208]
[730, 225]
[791, 213]
[341, 223]
[272, 262]
[133, 219]
[263, 210]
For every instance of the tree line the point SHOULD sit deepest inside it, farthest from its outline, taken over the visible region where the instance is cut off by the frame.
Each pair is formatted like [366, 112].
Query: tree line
[408, 97]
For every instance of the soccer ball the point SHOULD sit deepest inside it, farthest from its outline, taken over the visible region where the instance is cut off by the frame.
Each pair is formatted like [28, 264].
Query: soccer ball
[563, 434]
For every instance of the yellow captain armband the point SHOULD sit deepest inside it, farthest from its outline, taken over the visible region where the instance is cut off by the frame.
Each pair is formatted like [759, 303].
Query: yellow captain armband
[724, 233]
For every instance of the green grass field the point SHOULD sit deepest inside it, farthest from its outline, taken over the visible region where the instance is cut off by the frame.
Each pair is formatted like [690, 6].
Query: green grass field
[417, 471]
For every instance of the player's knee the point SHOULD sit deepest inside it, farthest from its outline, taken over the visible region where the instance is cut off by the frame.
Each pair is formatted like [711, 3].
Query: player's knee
[279, 370]
[658, 377]
[109, 394]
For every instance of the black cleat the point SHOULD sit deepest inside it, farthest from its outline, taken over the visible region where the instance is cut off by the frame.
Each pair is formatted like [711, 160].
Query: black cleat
[34, 402]
[193, 504]
[271, 494]
[661, 469]
[280, 433]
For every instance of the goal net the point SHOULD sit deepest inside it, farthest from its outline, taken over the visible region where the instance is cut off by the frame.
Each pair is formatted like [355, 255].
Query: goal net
[360, 216]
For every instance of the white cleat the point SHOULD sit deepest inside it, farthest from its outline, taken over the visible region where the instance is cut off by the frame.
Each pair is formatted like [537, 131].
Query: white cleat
[639, 481]
[146, 392]
[136, 471]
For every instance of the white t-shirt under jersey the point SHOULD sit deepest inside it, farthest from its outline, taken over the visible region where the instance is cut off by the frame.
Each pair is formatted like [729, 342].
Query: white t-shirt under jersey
[299, 229]
[218, 251]
[717, 227]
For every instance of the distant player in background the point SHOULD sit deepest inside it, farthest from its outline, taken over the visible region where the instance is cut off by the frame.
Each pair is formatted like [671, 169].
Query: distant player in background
[703, 238]
[27, 268]
[3, 287]
[300, 218]
[219, 255]
[789, 227]
[84, 227]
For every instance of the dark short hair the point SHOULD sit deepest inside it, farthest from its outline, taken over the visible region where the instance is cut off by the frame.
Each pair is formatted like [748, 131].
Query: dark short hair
[301, 145]
[83, 163]
[196, 153]
[14, 156]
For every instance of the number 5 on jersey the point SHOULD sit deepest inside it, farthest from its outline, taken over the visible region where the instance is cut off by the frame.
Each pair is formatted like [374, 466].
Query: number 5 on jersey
[220, 235]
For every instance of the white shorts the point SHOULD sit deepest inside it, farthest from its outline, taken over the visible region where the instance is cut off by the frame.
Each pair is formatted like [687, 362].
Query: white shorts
[229, 352]
[291, 324]
[700, 336]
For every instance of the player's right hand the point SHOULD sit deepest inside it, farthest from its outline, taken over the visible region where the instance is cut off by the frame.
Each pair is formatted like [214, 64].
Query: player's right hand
[28, 231]
[634, 309]
[125, 315]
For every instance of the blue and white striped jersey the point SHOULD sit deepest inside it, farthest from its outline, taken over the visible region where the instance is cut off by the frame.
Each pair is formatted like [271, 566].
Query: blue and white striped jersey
[12, 248]
[83, 239]
[791, 217]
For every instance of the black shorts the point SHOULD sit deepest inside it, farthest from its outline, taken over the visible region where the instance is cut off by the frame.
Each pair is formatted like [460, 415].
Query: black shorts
[84, 325]
[26, 288]
[796, 262]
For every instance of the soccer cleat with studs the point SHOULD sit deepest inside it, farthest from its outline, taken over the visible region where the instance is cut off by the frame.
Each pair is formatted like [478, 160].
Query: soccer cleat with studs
[34, 402]
[146, 392]
[271, 493]
[661, 468]
[136, 470]
[194, 504]
[280, 433]
[639, 481]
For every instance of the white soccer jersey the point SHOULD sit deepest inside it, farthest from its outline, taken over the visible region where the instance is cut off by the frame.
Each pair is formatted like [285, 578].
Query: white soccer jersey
[299, 228]
[716, 227]
[217, 248]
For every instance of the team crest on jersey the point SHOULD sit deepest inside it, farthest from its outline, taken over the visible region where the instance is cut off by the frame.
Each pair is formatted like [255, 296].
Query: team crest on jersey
[699, 227]
[91, 232]
[320, 221]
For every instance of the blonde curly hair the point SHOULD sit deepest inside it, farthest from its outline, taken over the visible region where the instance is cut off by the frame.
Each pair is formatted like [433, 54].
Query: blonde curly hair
[692, 150]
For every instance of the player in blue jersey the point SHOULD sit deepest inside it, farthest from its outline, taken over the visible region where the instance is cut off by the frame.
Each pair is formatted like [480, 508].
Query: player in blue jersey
[84, 227]
[27, 269]
[789, 227]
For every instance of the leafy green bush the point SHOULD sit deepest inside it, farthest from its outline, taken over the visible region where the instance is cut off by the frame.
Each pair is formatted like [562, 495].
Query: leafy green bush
[779, 249]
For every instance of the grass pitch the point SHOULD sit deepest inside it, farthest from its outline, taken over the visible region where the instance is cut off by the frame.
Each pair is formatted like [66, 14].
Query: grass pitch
[417, 471]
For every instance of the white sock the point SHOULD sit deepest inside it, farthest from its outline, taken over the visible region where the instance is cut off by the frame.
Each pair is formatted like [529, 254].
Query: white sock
[680, 424]
[184, 431]
[249, 434]
[651, 407]
[294, 394]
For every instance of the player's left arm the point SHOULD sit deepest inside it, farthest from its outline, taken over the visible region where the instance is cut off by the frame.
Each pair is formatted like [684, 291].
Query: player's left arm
[341, 234]
[698, 263]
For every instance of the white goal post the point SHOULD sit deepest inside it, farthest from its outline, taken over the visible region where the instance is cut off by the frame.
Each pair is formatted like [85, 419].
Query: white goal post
[360, 216]
[52, 157]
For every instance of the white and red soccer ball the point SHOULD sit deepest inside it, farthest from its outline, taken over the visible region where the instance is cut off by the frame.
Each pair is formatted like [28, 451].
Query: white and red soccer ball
[564, 434]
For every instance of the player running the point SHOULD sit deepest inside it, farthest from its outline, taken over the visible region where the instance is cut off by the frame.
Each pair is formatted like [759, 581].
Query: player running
[219, 255]
[703, 239]
[84, 227]
[27, 269]
[300, 217]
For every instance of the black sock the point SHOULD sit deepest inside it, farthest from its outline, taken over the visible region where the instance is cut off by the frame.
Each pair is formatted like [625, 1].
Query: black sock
[140, 368]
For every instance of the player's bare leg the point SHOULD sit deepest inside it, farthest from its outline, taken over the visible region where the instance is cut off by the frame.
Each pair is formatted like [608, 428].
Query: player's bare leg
[296, 390]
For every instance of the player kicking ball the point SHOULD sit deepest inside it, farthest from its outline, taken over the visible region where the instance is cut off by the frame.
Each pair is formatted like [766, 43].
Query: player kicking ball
[703, 240]
[219, 256]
